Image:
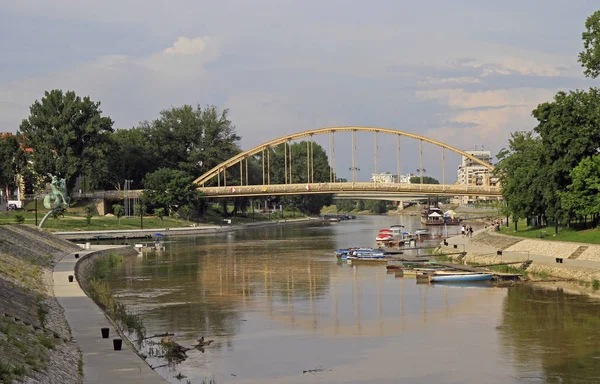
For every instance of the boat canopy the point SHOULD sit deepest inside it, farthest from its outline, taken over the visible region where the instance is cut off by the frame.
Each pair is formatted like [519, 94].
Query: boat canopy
[434, 214]
[449, 213]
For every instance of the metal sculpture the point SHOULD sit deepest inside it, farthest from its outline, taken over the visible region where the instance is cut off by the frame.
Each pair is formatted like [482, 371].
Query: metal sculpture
[57, 197]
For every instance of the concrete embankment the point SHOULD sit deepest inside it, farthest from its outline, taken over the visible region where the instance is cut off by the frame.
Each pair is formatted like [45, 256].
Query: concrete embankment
[102, 362]
[579, 261]
[35, 339]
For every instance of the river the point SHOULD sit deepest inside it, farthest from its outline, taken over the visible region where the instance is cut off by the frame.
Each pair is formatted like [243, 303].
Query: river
[280, 309]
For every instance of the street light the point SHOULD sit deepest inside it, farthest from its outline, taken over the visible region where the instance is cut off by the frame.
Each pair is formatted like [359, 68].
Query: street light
[354, 170]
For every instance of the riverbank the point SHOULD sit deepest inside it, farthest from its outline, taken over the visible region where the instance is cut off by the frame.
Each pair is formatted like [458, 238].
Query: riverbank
[180, 231]
[35, 339]
[578, 264]
[102, 363]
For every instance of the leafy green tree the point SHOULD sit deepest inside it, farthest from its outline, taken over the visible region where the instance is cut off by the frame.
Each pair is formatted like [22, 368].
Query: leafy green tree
[190, 139]
[376, 206]
[518, 170]
[426, 180]
[344, 205]
[68, 136]
[590, 56]
[12, 159]
[569, 128]
[170, 189]
[118, 211]
[138, 210]
[160, 213]
[131, 157]
[89, 213]
[318, 172]
[583, 195]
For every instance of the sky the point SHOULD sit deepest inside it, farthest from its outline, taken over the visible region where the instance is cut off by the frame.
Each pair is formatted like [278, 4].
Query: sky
[467, 73]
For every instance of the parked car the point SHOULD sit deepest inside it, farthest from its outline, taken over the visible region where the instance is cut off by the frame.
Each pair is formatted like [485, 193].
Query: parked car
[12, 207]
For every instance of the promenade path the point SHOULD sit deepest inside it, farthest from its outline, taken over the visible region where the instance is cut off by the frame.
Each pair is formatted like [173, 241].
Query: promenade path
[476, 248]
[101, 363]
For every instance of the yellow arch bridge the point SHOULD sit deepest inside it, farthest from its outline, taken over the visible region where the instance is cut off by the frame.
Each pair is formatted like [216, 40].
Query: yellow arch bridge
[214, 183]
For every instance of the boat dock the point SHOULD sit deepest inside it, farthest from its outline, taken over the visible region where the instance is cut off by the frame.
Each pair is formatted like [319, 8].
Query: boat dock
[467, 268]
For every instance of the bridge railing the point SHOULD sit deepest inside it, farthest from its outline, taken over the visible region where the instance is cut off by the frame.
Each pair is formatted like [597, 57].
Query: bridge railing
[349, 187]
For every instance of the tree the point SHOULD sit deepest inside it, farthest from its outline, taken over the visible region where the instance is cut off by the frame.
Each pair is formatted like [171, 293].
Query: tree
[170, 189]
[190, 139]
[344, 205]
[426, 180]
[89, 213]
[590, 56]
[68, 137]
[376, 206]
[519, 172]
[301, 173]
[583, 194]
[160, 213]
[131, 157]
[569, 128]
[118, 211]
[12, 159]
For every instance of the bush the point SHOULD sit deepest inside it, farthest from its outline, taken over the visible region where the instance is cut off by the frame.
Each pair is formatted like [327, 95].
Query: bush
[19, 218]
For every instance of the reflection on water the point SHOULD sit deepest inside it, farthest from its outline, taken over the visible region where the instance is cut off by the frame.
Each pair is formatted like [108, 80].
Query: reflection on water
[552, 335]
[277, 304]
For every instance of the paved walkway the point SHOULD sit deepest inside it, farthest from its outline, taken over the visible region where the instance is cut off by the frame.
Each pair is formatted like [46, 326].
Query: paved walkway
[101, 363]
[471, 247]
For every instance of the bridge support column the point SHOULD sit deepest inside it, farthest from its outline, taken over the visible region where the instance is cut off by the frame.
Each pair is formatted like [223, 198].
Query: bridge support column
[400, 205]
[100, 205]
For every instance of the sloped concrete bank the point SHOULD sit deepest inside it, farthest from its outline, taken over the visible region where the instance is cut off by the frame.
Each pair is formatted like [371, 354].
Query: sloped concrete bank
[483, 249]
[35, 339]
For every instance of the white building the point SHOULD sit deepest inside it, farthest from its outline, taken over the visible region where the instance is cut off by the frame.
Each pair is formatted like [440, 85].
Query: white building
[473, 174]
[387, 177]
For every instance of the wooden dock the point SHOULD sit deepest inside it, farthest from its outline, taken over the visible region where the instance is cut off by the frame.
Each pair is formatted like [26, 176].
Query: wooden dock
[500, 275]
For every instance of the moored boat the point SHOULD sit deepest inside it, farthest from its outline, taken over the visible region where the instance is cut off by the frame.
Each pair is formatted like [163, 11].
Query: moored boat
[462, 277]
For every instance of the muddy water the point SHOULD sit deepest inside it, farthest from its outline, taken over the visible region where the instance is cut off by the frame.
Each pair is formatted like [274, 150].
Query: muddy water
[280, 309]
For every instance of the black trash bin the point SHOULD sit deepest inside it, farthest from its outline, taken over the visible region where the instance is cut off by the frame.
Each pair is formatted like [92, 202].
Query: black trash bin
[70, 278]
[105, 332]
[117, 343]
[77, 255]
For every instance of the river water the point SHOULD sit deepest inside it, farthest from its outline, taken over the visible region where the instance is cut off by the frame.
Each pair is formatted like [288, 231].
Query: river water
[280, 309]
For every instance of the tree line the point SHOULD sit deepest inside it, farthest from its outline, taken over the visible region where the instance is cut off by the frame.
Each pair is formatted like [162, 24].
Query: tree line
[68, 136]
[552, 173]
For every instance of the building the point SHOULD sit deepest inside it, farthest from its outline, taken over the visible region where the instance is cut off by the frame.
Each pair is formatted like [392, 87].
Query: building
[387, 177]
[474, 174]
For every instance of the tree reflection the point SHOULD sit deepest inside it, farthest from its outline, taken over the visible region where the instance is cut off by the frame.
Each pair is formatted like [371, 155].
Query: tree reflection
[554, 331]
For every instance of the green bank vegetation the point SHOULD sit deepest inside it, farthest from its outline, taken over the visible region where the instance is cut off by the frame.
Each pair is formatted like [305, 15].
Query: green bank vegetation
[100, 292]
[21, 349]
[590, 235]
[552, 173]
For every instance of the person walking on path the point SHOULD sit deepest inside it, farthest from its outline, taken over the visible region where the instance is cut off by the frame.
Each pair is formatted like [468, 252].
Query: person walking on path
[462, 230]
[470, 231]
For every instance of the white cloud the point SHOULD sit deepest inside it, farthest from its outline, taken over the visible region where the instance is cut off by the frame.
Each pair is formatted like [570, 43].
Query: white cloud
[187, 46]
[130, 88]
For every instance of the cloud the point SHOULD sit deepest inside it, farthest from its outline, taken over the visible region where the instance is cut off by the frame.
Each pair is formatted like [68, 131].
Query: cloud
[130, 88]
[187, 46]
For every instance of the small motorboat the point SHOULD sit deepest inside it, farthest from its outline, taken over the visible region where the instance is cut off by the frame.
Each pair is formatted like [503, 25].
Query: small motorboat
[423, 232]
[460, 277]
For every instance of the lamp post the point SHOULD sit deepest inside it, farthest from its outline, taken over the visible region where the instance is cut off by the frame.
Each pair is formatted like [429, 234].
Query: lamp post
[354, 170]
[141, 213]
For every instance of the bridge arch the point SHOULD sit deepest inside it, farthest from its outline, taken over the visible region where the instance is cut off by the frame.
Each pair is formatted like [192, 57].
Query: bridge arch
[214, 172]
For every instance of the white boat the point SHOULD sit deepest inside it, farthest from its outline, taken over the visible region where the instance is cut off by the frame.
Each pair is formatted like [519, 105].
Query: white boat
[459, 278]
